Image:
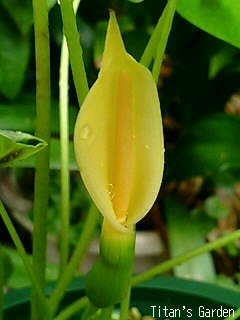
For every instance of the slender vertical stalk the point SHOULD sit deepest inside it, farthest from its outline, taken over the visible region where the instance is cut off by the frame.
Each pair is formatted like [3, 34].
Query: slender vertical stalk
[64, 146]
[124, 306]
[22, 253]
[86, 236]
[150, 50]
[106, 314]
[90, 312]
[42, 53]
[157, 43]
[166, 24]
[75, 49]
[185, 257]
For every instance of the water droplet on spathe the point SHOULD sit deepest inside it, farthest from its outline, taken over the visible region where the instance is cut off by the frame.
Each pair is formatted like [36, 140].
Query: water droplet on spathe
[84, 132]
[147, 146]
[59, 2]
[112, 194]
[122, 220]
[110, 191]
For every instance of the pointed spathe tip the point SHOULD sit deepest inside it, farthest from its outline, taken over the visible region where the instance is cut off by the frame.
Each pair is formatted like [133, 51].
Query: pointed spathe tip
[114, 43]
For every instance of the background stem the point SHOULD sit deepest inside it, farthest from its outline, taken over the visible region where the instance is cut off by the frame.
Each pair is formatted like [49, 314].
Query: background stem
[165, 26]
[22, 253]
[106, 314]
[157, 44]
[64, 147]
[184, 257]
[43, 102]
[124, 306]
[75, 49]
[72, 309]
[86, 236]
[90, 312]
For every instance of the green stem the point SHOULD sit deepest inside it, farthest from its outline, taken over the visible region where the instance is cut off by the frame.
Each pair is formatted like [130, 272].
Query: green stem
[64, 147]
[157, 43]
[72, 309]
[86, 236]
[234, 315]
[89, 312]
[1, 284]
[75, 49]
[166, 24]
[43, 110]
[106, 314]
[27, 264]
[64, 143]
[150, 50]
[184, 257]
[124, 306]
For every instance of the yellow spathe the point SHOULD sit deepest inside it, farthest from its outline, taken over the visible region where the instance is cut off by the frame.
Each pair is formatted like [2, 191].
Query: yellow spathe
[118, 137]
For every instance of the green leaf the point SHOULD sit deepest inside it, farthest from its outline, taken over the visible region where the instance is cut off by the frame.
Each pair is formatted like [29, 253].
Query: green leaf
[14, 56]
[21, 13]
[19, 277]
[54, 157]
[217, 17]
[16, 145]
[6, 265]
[187, 231]
[224, 58]
[209, 147]
[20, 115]
[51, 4]
[226, 282]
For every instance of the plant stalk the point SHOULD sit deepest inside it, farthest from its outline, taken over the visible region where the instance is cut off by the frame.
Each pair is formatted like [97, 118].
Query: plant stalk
[86, 236]
[64, 147]
[124, 306]
[165, 26]
[72, 309]
[165, 266]
[34, 281]
[75, 49]
[64, 155]
[43, 110]
[106, 314]
[90, 312]
[157, 43]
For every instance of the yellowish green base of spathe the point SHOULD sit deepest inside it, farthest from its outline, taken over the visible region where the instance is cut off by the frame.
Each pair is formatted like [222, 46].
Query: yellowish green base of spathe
[108, 281]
